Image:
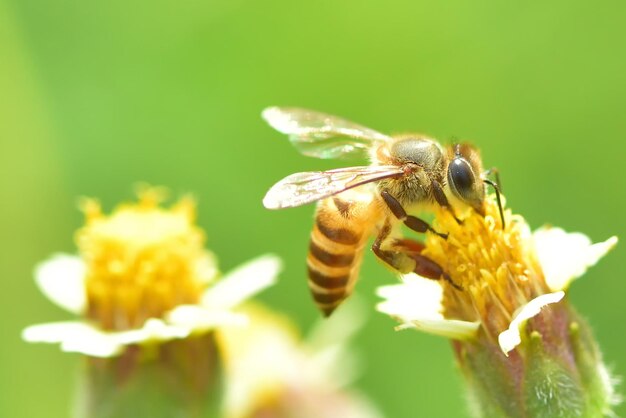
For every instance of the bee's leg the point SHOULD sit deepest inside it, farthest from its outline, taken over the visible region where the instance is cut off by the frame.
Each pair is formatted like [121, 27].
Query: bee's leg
[406, 257]
[441, 198]
[412, 222]
[395, 259]
[424, 266]
[410, 246]
[428, 268]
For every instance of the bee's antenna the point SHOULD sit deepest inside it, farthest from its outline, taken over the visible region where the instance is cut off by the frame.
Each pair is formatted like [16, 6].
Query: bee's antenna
[496, 172]
[498, 191]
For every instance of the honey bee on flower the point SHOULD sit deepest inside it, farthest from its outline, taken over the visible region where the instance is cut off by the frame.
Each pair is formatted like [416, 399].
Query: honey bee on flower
[408, 173]
[480, 278]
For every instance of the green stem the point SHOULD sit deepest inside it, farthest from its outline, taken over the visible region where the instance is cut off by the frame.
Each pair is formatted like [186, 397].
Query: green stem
[556, 372]
[179, 378]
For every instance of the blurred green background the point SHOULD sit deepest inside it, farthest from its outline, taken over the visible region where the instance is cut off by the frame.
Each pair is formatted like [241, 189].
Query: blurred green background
[95, 96]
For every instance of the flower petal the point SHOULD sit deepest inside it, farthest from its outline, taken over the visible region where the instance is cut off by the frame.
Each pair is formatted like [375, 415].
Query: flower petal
[75, 337]
[565, 256]
[510, 338]
[198, 318]
[62, 280]
[328, 341]
[416, 297]
[243, 282]
[153, 329]
[206, 268]
[416, 303]
[82, 337]
[455, 329]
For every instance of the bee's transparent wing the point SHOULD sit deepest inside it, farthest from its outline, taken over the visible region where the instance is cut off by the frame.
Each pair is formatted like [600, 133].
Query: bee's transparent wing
[320, 135]
[302, 188]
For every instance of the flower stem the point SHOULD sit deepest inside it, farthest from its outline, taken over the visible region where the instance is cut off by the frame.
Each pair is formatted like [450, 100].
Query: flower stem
[179, 378]
[557, 371]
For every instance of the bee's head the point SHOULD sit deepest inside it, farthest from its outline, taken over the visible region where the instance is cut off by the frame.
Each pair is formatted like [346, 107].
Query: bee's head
[467, 180]
[464, 176]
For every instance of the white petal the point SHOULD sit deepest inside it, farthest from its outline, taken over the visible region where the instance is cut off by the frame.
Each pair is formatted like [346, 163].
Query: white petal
[341, 328]
[565, 256]
[82, 337]
[416, 297]
[76, 337]
[243, 282]
[454, 329]
[417, 304]
[152, 330]
[62, 280]
[198, 318]
[328, 341]
[334, 367]
[205, 269]
[511, 338]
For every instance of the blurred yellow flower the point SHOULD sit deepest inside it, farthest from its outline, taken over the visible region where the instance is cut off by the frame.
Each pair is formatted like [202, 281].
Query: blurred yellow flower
[271, 371]
[142, 275]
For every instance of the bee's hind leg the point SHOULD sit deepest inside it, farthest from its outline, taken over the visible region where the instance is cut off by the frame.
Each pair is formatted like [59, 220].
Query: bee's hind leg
[405, 256]
[397, 260]
[424, 266]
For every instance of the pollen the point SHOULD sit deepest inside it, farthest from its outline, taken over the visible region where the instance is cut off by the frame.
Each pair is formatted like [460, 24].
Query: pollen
[496, 267]
[142, 260]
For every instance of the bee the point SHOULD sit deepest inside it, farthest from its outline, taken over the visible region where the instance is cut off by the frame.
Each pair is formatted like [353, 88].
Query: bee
[407, 174]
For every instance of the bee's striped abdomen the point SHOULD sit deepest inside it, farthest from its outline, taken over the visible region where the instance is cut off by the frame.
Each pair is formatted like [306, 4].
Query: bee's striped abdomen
[339, 235]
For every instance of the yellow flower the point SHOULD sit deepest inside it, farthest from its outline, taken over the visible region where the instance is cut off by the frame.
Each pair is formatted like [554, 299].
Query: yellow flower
[521, 347]
[142, 276]
[507, 276]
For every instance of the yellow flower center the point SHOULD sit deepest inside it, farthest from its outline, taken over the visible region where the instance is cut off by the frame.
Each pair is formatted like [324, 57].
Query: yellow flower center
[496, 267]
[142, 260]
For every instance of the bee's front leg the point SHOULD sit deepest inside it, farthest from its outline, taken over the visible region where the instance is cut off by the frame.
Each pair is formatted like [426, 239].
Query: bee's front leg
[412, 222]
[441, 198]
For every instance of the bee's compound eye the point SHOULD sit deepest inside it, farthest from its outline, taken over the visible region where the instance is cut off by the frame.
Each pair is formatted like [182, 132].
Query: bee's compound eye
[461, 178]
